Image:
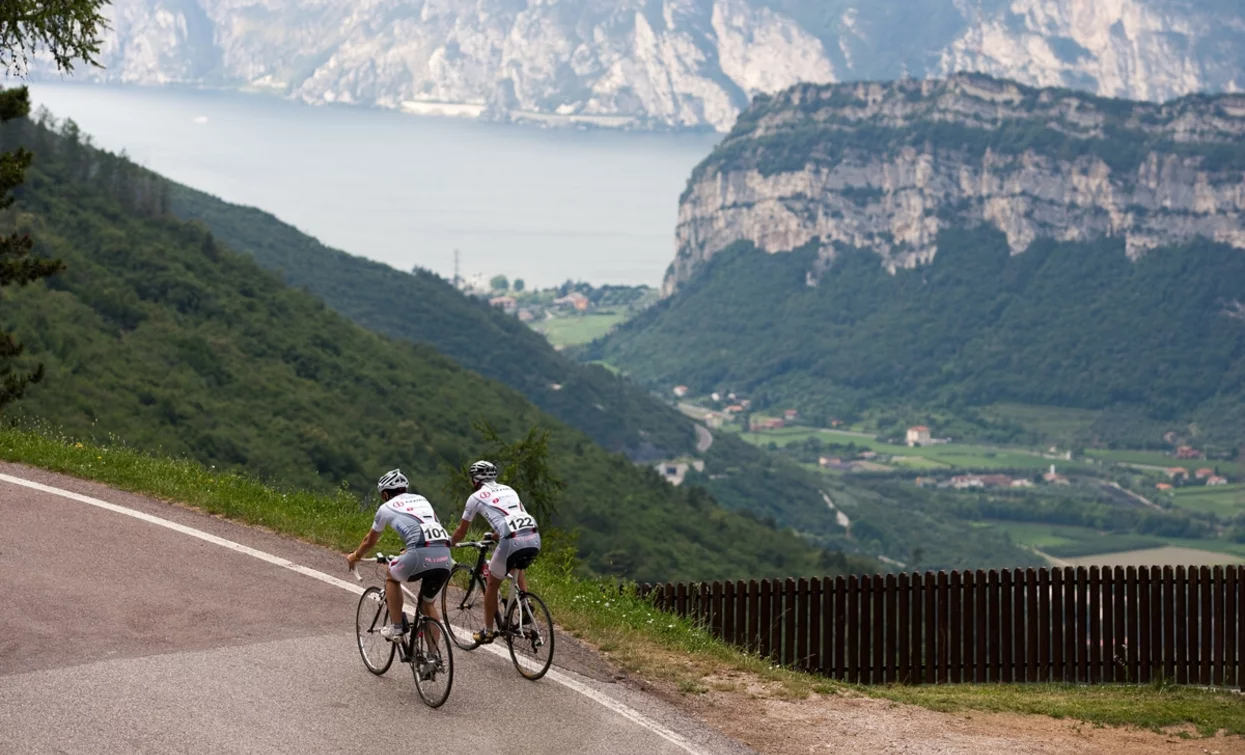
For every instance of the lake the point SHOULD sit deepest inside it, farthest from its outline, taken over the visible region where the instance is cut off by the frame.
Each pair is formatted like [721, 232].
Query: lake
[540, 204]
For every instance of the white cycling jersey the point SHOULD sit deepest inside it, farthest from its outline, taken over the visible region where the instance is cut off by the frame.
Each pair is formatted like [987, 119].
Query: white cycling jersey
[500, 505]
[412, 517]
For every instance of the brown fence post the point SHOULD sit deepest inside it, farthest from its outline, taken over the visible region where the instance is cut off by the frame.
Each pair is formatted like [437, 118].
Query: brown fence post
[1181, 655]
[1011, 623]
[955, 635]
[995, 599]
[1121, 611]
[864, 627]
[942, 656]
[1108, 625]
[1056, 626]
[1082, 626]
[728, 612]
[930, 625]
[827, 626]
[919, 625]
[1134, 635]
[1169, 624]
[1156, 622]
[968, 629]
[765, 619]
[714, 617]
[1095, 626]
[890, 654]
[982, 612]
[841, 587]
[879, 604]
[790, 619]
[1239, 616]
[853, 627]
[1216, 668]
[1232, 619]
[1033, 671]
[753, 633]
[814, 626]
[903, 630]
[800, 618]
[1204, 613]
[1143, 618]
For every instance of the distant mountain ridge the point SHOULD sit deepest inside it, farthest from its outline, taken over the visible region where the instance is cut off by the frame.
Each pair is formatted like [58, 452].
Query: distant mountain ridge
[961, 242]
[661, 63]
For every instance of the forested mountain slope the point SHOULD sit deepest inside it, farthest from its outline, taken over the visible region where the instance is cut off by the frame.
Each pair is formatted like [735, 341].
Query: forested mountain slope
[423, 308]
[160, 336]
[964, 243]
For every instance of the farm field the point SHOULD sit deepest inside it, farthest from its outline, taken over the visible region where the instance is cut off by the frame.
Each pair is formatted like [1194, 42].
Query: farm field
[1056, 425]
[1066, 541]
[1226, 501]
[1168, 555]
[1158, 459]
[946, 456]
[573, 330]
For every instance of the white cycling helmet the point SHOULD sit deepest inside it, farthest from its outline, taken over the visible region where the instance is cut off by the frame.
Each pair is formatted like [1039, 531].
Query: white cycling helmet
[392, 480]
[482, 471]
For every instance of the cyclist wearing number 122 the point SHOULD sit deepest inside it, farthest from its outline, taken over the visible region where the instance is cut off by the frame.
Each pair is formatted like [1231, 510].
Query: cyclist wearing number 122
[427, 555]
[518, 541]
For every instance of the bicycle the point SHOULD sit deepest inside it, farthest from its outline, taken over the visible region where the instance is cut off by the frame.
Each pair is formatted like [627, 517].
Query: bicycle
[527, 628]
[430, 665]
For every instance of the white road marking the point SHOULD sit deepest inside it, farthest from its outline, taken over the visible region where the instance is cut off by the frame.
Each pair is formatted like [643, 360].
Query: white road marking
[596, 696]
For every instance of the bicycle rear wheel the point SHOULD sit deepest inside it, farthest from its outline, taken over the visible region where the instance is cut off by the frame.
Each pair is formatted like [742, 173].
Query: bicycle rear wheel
[462, 606]
[433, 664]
[530, 636]
[370, 617]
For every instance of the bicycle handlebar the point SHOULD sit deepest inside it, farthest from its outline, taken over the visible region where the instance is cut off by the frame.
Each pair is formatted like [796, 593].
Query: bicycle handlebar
[380, 558]
[477, 544]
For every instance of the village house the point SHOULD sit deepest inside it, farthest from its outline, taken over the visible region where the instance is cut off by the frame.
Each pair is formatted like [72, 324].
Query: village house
[790, 415]
[765, 423]
[680, 391]
[828, 461]
[506, 304]
[1203, 473]
[714, 421]
[1054, 478]
[996, 480]
[964, 482]
[733, 409]
[1164, 486]
[1216, 480]
[1174, 472]
[1188, 452]
[918, 436]
[525, 315]
[574, 300]
[1022, 483]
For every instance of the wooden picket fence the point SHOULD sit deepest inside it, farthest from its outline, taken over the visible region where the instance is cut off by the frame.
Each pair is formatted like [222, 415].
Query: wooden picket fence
[1087, 625]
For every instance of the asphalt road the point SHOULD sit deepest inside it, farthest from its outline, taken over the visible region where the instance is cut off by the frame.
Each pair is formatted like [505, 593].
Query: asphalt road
[122, 636]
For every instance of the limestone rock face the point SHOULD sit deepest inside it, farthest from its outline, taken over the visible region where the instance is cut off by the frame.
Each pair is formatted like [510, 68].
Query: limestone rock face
[886, 167]
[660, 63]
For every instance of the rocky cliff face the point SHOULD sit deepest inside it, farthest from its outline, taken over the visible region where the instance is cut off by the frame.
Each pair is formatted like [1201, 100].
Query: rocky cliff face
[885, 167]
[661, 63]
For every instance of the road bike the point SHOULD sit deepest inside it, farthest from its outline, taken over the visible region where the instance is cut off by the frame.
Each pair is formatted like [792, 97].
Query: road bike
[522, 619]
[424, 646]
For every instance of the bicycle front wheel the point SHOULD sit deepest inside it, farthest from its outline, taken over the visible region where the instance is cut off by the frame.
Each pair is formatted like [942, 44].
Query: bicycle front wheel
[530, 636]
[433, 663]
[370, 617]
[462, 606]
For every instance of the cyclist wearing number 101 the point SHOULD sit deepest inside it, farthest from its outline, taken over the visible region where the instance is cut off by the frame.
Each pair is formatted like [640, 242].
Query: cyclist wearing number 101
[518, 541]
[427, 555]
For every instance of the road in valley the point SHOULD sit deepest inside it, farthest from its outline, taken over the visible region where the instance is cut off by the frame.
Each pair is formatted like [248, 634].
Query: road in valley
[119, 635]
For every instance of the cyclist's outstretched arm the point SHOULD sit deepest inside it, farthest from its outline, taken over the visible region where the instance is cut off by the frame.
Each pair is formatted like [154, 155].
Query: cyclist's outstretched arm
[368, 543]
[461, 532]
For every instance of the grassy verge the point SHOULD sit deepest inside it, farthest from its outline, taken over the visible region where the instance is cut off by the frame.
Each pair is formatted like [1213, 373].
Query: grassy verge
[642, 640]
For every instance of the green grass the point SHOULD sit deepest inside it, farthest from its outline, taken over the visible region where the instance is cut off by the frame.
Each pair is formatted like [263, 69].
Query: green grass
[573, 330]
[1226, 501]
[625, 627]
[1159, 459]
[1154, 707]
[1066, 541]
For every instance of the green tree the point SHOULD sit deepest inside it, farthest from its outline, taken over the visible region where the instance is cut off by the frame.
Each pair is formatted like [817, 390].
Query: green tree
[499, 283]
[519, 284]
[522, 464]
[67, 30]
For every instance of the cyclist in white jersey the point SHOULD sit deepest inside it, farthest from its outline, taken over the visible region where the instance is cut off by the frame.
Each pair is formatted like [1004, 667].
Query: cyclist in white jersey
[518, 539]
[426, 557]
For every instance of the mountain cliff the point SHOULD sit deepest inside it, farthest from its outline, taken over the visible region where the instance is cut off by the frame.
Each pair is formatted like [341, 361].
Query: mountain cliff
[661, 63]
[888, 166]
[961, 242]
